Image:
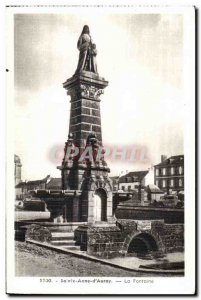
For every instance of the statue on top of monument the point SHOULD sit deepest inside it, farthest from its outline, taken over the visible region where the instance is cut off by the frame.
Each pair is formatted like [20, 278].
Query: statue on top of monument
[88, 52]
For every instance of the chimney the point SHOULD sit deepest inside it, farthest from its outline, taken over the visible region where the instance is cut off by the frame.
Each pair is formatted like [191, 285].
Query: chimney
[163, 158]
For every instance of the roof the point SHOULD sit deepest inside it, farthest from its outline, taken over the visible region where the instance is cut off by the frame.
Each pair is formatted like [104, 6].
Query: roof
[21, 184]
[153, 188]
[114, 178]
[32, 182]
[177, 159]
[35, 182]
[54, 182]
[135, 176]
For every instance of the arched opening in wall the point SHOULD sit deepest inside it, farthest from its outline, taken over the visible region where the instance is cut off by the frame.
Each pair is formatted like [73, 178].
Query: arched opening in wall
[100, 205]
[142, 244]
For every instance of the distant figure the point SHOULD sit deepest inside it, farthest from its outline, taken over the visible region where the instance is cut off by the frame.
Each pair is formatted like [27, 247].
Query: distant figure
[88, 52]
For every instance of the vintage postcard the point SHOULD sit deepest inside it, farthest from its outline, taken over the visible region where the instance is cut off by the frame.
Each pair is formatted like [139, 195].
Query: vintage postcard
[100, 150]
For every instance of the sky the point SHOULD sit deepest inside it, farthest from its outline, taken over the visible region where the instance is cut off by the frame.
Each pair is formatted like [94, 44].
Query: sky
[141, 55]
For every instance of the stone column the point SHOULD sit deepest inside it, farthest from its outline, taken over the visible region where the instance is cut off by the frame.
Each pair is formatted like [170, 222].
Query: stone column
[91, 216]
[110, 217]
[76, 209]
[84, 89]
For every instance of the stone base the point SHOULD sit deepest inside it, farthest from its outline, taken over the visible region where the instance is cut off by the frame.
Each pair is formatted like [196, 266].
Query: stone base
[114, 240]
[107, 246]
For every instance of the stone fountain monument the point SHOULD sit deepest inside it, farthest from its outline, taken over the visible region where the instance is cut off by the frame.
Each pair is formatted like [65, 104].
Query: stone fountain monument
[87, 177]
[82, 209]
[86, 192]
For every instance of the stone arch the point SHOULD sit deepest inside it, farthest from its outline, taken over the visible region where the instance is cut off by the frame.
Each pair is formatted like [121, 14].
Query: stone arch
[142, 243]
[147, 240]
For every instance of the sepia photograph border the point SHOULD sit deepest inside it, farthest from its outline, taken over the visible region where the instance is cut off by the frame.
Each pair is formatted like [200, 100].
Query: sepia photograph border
[22, 285]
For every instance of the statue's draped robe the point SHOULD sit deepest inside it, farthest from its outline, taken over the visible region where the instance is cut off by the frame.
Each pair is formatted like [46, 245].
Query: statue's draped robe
[87, 60]
[93, 61]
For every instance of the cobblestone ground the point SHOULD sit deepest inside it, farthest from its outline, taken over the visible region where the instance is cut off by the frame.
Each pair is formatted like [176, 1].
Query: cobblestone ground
[32, 260]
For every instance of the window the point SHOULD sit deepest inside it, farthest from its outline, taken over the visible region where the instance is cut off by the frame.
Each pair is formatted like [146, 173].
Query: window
[157, 182]
[164, 183]
[180, 182]
[180, 170]
[164, 171]
[157, 172]
[172, 171]
[123, 188]
[172, 182]
[129, 187]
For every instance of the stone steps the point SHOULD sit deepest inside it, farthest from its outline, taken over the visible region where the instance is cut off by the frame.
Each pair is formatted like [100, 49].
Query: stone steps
[63, 243]
[57, 230]
[60, 236]
[64, 240]
[61, 233]
[72, 248]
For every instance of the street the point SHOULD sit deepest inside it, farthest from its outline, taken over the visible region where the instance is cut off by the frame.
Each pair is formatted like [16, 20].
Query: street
[32, 260]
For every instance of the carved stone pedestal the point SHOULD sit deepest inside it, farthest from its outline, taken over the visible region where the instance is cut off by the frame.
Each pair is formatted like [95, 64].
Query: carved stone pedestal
[78, 173]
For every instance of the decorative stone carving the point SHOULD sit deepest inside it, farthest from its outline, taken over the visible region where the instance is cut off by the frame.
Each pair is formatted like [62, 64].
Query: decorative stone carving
[98, 93]
[100, 184]
[91, 92]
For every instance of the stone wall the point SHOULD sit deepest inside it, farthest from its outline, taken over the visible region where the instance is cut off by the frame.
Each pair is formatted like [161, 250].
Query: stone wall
[112, 241]
[38, 233]
[104, 241]
[169, 215]
[173, 237]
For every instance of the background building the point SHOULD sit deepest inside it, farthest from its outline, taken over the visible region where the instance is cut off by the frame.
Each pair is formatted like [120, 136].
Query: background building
[48, 183]
[153, 193]
[169, 174]
[132, 181]
[18, 167]
[115, 183]
[54, 184]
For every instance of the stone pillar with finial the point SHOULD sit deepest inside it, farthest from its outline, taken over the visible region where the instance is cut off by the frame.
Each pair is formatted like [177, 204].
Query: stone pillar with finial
[91, 177]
